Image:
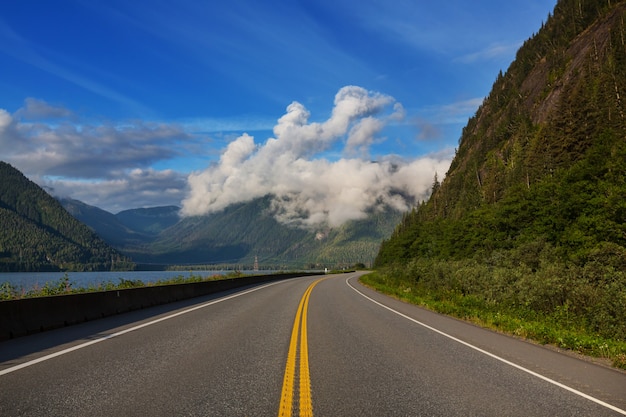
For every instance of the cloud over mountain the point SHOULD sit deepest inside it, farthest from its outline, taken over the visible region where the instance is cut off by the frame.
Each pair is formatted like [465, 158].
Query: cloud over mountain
[320, 171]
[310, 188]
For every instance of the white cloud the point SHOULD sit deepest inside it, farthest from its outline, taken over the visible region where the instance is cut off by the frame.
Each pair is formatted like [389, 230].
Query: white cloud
[362, 135]
[112, 165]
[5, 120]
[310, 190]
[39, 109]
[107, 165]
[134, 189]
[68, 149]
[493, 51]
[453, 113]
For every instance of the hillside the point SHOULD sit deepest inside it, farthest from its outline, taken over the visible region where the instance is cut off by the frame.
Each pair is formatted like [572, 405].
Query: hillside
[37, 234]
[104, 224]
[151, 220]
[543, 159]
[244, 231]
[127, 228]
[157, 236]
[527, 232]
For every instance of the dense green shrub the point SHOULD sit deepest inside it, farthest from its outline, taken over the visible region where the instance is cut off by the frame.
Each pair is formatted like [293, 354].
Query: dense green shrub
[572, 306]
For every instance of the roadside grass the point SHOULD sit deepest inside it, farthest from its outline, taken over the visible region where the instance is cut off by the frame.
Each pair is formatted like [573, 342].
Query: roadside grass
[555, 328]
[64, 285]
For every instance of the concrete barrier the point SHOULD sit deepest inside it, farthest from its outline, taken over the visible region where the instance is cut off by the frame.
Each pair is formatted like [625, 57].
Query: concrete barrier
[32, 315]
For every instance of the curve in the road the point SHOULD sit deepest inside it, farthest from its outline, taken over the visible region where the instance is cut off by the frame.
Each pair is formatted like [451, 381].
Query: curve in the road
[484, 352]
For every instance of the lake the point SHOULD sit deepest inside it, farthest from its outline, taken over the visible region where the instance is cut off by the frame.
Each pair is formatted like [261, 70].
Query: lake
[30, 280]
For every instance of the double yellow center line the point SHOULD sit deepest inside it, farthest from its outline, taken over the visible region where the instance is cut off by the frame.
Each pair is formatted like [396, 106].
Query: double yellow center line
[305, 405]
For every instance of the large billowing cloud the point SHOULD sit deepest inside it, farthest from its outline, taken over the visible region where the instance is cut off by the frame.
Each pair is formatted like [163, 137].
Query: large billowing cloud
[320, 173]
[308, 188]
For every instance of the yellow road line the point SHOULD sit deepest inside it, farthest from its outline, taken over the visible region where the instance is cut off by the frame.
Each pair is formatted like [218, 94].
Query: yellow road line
[286, 400]
[306, 405]
[299, 326]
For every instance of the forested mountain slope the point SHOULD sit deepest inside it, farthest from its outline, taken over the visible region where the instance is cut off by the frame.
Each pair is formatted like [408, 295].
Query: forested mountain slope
[543, 161]
[37, 234]
[527, 232]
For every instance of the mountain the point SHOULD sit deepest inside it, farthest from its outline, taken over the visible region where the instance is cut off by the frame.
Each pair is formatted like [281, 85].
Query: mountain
[37, 234]
[126, 228]
[543, 161]
[527, 231]
[235, 236]
[104, 224]
[151, 220]
[244, 231]
[541, 167]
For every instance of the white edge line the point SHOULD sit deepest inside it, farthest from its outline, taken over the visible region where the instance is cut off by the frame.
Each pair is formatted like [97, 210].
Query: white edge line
[533, 373]
[131, 329]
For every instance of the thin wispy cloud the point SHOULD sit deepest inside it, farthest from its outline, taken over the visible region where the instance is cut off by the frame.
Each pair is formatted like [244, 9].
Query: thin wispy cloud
[245, 45]
[448, 114]
[463, 108]
[495, 51]
[37, 109]
[13, 44]
[227, 124]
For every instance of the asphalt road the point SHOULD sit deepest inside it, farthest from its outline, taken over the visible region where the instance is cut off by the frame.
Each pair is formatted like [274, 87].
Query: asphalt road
[244, 353]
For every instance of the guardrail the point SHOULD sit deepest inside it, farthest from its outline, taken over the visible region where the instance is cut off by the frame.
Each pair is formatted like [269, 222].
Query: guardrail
[31, 315]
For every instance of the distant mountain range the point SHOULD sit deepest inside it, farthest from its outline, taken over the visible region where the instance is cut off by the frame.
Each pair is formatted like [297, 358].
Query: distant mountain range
[127, 228]
[236, 236]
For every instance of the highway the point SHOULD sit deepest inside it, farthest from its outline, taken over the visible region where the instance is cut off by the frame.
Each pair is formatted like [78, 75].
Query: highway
[311, 346]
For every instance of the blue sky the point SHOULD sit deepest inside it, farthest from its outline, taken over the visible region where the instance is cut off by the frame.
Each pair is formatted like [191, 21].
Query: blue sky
[125, 104]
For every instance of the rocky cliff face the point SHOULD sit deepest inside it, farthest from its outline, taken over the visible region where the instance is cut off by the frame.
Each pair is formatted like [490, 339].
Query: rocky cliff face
[565, 88]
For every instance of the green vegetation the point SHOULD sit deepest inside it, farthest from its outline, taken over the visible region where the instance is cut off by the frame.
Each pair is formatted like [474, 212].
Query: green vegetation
[558, 304]
[579, 211]
[37, 234]
[64, 286]
[527, 232]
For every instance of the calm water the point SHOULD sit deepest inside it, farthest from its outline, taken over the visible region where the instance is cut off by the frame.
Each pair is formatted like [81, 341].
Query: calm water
[30, 280]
